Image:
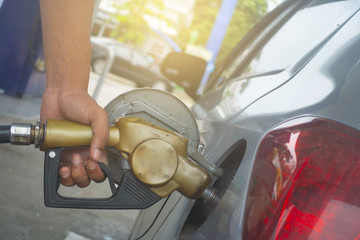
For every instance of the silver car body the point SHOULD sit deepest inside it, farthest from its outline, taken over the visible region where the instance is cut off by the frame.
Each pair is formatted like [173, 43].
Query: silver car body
[319, 76]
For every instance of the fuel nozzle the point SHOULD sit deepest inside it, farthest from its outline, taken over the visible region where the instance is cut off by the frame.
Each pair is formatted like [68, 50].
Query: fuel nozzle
[26, 134]
[158, 156]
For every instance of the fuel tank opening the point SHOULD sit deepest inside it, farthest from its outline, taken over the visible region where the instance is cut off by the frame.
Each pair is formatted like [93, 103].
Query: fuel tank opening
[204, 206]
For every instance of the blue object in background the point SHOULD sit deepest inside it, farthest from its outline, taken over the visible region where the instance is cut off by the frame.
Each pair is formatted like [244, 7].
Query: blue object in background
[217, 36]
[21, 54]
[171, 42]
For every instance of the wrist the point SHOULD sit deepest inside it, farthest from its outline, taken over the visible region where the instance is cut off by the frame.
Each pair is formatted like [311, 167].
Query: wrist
[62, 91]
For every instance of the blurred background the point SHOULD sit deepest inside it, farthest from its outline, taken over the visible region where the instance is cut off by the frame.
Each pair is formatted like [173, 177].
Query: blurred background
[139, 35]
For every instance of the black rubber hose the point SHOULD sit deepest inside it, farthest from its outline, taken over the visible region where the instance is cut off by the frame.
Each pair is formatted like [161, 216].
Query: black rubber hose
[4, 133]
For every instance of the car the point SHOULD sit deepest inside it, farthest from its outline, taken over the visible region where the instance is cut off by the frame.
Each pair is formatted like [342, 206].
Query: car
[128, 63]
[281, 117]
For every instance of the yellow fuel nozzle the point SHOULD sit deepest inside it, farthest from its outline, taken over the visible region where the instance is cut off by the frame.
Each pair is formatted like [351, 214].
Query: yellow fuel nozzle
[158, 156]
[62, 133]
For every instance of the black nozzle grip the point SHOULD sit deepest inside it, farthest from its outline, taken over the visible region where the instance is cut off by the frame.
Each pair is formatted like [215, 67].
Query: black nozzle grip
[130, 194]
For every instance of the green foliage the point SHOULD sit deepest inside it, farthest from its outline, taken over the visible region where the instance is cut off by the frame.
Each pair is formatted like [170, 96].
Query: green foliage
[130, 14]
[133, 28]
[246, 14]
[205, 12]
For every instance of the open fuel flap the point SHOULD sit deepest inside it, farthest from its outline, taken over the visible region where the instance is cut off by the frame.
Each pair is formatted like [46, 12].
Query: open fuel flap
[152, 151]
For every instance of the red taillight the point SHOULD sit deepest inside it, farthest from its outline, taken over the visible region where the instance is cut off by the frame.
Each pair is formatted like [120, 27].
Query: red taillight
[305, 184]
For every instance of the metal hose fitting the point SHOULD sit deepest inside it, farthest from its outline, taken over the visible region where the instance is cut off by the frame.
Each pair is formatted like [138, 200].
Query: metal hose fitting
[26, 134]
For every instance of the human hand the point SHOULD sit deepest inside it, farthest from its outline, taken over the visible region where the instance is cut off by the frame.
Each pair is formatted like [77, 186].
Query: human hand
[78, 106]
[78, 168]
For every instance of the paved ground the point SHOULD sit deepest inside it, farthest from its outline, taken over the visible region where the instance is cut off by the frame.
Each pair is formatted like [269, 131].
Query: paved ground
[22, 212]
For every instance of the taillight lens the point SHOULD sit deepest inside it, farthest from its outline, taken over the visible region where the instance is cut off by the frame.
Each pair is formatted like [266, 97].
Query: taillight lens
[305, 184]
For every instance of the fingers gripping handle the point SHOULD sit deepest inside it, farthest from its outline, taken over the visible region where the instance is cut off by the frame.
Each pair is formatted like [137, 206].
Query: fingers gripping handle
[130, 194]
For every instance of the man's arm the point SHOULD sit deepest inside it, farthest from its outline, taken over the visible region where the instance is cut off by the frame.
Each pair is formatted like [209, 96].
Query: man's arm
[66, 26]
